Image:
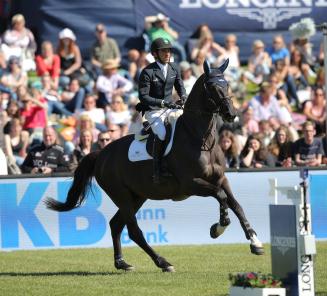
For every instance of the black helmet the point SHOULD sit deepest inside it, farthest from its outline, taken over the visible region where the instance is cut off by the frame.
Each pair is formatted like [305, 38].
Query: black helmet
[160, 43]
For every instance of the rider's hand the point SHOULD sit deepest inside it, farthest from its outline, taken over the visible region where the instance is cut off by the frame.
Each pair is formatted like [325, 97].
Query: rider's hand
[171, 105]
[180, 102]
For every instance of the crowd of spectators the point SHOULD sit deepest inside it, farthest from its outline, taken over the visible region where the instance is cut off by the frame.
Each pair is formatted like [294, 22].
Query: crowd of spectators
[56, 106]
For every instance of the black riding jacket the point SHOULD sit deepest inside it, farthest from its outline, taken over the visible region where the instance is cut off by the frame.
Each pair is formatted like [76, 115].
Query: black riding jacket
[153, 87]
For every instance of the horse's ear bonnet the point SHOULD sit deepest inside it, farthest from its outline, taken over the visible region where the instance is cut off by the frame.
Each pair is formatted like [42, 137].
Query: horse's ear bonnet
[223, 67]
[206, 68]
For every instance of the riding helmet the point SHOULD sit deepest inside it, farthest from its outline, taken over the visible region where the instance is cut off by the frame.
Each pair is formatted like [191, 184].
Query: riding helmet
[160, 43]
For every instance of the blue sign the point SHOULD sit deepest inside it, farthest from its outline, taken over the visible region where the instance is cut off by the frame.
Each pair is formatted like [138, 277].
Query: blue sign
[318, 200]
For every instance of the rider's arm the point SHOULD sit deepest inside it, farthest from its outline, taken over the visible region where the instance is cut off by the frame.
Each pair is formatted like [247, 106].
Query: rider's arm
[144, 91]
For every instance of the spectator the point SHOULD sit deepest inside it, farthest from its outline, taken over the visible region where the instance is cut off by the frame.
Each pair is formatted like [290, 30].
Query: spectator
[19, 41]
[259, 63]
[114, 131]
[3, 163]
[265, 106]
[103, 140]
[197, 65]
[103, 49]
[229, 146]
[12, 111]
[14, 78]
[48, 63]
[33, 112]
[315, 109]
[308, 150]
[16, 142]
[210, 49]
[249, 124]
[111, 83]
[158, 27]
[266, 131]
[3, 64]
[73, 96]
[83, 149]
[281, 147]
[48, 157]
[187, 75]
[96, 114]
[119, 115]
[255, 154]
[279, 51]
[70, 59]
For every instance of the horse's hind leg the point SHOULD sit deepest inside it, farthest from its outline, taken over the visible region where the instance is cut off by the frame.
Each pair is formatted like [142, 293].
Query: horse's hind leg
[117, 225]
[127, 211]
[256, 245]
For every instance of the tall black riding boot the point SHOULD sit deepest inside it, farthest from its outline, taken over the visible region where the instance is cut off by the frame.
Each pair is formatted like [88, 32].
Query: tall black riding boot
[157, 157]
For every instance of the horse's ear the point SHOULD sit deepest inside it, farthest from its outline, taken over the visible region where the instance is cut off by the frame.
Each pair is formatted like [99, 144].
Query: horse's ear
[206, 67]
[223, 67]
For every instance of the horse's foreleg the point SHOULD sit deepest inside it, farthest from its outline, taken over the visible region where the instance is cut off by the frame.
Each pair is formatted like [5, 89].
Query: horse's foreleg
[204, 188]
[256, 245]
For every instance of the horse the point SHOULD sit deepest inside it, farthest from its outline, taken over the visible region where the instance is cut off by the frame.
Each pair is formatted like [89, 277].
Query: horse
[196, 162]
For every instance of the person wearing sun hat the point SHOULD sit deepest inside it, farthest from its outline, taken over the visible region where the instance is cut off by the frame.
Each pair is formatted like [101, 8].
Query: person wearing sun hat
[111, 83]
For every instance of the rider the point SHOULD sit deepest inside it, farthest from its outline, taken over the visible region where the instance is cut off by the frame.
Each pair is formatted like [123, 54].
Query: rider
[155, 92]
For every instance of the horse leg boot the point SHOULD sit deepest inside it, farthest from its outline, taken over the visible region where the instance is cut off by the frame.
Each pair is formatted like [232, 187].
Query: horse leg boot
[158, 151]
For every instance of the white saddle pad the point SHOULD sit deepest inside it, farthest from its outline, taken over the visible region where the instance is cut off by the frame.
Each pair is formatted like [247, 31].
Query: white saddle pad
[137, 149]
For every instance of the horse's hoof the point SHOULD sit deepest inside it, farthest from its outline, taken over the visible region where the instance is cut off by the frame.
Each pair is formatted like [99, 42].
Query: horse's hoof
[216, 230]
[224, 222]
[169, 269]
[257, 250]
[121, 264]
[164, 265]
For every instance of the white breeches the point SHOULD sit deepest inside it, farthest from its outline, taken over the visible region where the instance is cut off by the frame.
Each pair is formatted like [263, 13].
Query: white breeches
[156, 119]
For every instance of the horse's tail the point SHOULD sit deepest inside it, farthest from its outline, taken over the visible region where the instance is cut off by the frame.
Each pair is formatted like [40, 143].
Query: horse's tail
[81, 184]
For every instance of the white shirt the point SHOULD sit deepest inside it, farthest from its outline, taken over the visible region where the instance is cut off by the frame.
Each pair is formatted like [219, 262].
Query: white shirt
[164, 69]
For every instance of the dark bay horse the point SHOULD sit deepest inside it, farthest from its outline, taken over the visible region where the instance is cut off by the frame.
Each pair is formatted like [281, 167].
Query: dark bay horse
[195, 160]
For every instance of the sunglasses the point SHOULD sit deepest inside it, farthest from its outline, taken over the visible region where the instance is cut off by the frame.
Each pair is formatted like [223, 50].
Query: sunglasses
[100, 30]
[104, 140]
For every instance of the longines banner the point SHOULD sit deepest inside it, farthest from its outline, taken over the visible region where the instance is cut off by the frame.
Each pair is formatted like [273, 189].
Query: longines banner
[235, 15]
[25, 223]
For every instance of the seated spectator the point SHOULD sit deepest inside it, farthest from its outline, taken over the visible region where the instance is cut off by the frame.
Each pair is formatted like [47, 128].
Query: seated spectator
[301, 33]
[114, 131]
[193, 40]
[119, 114]
[48, 63]
[103, 140]
[12, 111]
[266, 131]
[315, 109]
[103, 49]
[187, 75]
[210, 49]
[48, 157]
[83, 149]
[52, 96]
[249, 124]
[259, 63]
[137, 61]
[73, 96]
[228, 145]
[16, 142]
[158, 27]
[265, 106]
[231, 52]
[279, 51]
[308, 151]
[197, 65]
[14, 78]
[111, 83]
[70, 59]
[255, 154]
[19, 41]
[97, 115]
[281, 147]
[33, 112]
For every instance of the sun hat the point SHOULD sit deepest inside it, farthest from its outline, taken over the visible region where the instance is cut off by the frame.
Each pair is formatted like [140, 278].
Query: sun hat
[110, 64]
[67, 33]
[185, 66]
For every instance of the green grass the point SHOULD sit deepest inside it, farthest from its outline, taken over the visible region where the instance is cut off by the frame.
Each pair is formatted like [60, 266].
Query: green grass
[200, 270]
